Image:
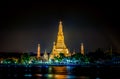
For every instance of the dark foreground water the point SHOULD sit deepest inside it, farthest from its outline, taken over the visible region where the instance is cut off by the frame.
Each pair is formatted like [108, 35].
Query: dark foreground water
[58, 72]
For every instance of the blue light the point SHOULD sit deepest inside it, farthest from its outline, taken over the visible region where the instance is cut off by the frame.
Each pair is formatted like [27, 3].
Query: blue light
[97, 78]
[28, 75]
[70, 76]
[49, 75]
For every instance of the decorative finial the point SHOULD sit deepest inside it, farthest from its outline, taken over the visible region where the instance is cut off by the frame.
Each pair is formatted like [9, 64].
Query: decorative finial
[54, 43]
[60, 22]
[45, 50]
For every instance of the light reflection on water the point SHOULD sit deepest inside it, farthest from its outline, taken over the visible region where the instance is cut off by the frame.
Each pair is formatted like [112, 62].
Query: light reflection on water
[59, 76]
[59, 72]
[55, 72]
[56, 76]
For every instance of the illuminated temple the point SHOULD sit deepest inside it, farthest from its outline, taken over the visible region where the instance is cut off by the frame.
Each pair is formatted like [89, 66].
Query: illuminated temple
[59, 46]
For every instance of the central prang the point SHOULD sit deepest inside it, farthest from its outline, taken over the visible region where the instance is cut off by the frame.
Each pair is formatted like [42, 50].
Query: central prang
[59, 46]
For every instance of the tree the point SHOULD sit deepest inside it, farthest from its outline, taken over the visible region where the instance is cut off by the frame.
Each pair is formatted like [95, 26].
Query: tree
[77, 56]
[25, 58]
[60, 57]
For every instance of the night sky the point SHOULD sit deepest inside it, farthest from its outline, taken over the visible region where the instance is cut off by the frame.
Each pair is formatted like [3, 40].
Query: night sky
[24, 24]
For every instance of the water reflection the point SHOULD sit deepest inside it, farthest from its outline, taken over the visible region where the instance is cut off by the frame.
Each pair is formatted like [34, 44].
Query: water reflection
[58, 72]
[59, 76]
[59, 69]
[56, 76]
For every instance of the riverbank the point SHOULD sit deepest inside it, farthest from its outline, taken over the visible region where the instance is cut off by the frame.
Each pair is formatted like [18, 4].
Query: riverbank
[80, 65]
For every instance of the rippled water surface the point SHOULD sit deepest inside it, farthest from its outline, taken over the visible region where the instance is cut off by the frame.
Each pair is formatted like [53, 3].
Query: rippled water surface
[58, 72]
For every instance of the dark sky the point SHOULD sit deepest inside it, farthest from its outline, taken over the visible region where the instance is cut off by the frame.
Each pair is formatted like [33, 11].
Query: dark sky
[24, 24]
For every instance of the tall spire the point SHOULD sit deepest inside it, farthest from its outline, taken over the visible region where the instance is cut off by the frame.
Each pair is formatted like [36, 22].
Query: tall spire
[60, 37]
[45, 52]
[73, 52]
[82, 48]
[45, 56]
[60, 28]
[38, 51]
[59, 46]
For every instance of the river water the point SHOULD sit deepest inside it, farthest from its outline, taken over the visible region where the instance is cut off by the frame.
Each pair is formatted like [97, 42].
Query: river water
[58, 72]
